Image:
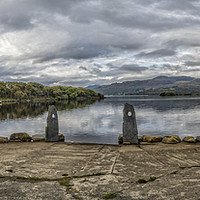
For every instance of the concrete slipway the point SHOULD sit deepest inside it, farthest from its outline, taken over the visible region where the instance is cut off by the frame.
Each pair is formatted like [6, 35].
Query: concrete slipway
[62, 171]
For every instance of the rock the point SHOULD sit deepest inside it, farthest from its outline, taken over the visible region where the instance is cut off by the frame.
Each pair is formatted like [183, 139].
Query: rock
[126, 143]
[38, 138]
[20, 137]
[120, 139]
[152, 138]
[198, 138]
[171, 139]
[3, 140]
[140, 138]
[189, 139]
[41, 137]
[130, 132]
[51, 132]
[61, 137]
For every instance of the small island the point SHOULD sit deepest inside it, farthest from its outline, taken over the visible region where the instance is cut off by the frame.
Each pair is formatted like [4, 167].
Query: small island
[31, 91]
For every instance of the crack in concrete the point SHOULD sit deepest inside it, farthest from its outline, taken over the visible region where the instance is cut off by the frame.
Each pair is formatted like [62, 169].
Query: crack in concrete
[114, 163]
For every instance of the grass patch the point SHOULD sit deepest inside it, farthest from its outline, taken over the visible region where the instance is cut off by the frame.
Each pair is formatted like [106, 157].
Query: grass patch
[77, 197]
[88, 175]
[141, 180]
[39, 179]
[110, 196]
[21, 177]
[2, 177]
[151, 179]
[9, 170]
[35, 178]
[66, 182]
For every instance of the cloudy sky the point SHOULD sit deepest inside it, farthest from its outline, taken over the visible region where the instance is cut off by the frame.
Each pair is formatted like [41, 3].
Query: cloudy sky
[86, 42]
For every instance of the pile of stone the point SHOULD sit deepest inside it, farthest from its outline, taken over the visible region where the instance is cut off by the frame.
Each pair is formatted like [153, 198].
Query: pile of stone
[3, 140]
[169, 139]
[25, 137]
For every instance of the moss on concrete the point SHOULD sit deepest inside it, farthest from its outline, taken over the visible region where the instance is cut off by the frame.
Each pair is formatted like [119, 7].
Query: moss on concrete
[110, 196]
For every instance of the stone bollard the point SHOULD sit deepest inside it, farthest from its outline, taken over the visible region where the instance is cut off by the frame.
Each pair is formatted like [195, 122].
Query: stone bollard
[51, 132]
[130, 132]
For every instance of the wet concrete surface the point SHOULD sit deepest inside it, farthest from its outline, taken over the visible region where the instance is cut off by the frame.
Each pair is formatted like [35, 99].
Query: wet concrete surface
[35, 171]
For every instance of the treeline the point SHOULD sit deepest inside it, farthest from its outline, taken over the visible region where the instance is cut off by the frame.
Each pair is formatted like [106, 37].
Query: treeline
[33, 90]
[170, 93]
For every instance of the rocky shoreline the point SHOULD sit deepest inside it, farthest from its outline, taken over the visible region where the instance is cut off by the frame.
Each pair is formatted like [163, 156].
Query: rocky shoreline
[25, 137]
[169, 139]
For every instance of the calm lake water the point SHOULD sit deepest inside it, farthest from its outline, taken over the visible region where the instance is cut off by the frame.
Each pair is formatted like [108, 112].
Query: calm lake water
[101, 122]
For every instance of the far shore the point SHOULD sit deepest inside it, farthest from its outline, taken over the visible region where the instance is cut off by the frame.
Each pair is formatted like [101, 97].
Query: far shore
[2, 101]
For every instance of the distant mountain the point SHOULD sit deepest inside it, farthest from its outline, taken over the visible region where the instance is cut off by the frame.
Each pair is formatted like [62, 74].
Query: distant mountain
[92, 86]
[178, 84]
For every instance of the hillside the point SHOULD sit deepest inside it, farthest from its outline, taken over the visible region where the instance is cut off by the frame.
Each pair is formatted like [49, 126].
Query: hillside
[178, 84]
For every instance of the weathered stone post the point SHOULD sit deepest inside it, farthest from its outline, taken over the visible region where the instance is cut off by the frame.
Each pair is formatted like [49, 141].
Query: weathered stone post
[130, 132]
[51, 132]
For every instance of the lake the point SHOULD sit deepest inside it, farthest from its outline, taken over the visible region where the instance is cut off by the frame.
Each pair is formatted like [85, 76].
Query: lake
[101, 122]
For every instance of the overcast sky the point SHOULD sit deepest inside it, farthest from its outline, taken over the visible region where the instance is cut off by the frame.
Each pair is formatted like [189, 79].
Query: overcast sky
[87, 42]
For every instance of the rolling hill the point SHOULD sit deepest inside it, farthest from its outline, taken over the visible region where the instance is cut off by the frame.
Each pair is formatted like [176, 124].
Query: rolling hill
[177, 84]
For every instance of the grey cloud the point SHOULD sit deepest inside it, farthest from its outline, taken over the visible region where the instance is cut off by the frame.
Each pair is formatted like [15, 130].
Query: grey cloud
[95, 71]
[82, 52]
[176, 68]
[71, 51]
[184, 42]
[158, 53]
[168, 69]
[103, 40]
[98, 65]
[192, 70]
[114, 32]
[192, 63]
[179, 5]
[19, 15]
[15, 22]
[133, 68]
[7, 73]
[142, 18]
[14, 15]
[77, 83]
[83, 68]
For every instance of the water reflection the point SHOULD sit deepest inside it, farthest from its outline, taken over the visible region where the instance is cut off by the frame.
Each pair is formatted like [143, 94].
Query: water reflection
[31, 117]
[101, 122]
[31, 110]
[159, 103]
